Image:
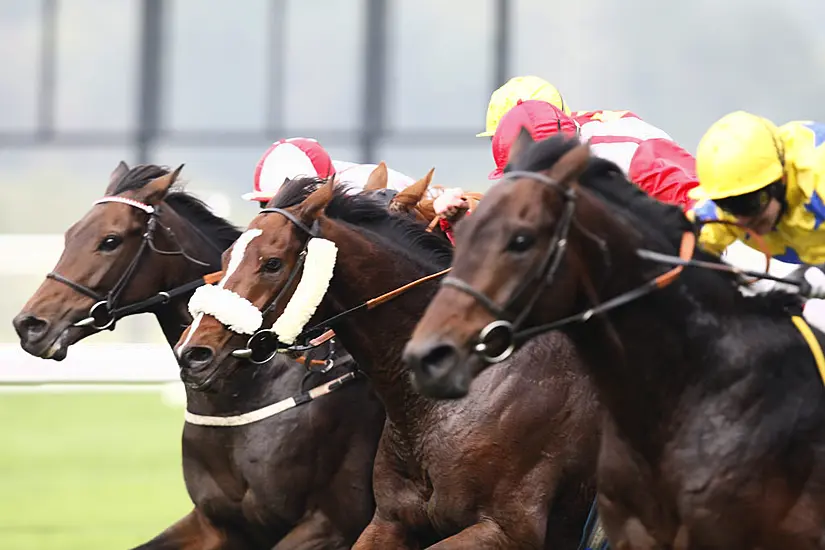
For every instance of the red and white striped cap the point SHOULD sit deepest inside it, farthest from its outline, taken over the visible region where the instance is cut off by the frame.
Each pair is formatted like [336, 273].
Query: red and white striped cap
[288, 159]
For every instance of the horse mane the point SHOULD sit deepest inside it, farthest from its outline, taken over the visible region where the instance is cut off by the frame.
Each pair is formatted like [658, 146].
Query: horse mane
[367, 213]
[222, 233]
[661, 225]
[295, 191]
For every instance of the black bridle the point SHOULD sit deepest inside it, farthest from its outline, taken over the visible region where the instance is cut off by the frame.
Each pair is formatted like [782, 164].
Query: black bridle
[264, 344]
[106, 312]
[544, 273]
[506, 334]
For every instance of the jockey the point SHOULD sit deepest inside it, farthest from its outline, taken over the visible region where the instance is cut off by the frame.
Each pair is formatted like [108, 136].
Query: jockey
[647, 155]
[290, 158]
[770, 179]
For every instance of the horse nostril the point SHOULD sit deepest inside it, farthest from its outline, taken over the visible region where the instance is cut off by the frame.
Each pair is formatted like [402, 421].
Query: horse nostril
[432, 362]
[30, 328]
[439, 360]
[197, 357]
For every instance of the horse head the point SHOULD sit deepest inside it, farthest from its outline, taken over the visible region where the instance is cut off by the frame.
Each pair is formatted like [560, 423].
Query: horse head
[117, 259]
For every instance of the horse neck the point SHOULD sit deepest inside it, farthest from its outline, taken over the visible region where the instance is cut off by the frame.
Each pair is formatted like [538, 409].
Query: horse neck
[642, 352]
[174, 317]
[376, 337]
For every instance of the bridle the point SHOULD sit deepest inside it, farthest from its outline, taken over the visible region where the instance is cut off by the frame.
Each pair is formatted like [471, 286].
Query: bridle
[264, 344]
[510, 332]
[106, 310]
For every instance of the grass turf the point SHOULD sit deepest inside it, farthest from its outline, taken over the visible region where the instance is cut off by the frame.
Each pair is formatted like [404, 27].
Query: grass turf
[88, 470]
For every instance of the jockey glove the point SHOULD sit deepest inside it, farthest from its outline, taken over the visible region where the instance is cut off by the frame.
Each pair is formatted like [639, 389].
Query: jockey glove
[815, 277]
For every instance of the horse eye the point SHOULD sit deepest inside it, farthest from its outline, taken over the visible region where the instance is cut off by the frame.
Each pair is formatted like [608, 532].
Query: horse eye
[109, 243]
[520, 242]
[272, 265]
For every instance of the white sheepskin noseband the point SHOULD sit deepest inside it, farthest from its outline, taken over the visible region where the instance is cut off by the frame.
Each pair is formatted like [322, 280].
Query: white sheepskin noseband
[233, 310]
[318, 269]
[241, 316]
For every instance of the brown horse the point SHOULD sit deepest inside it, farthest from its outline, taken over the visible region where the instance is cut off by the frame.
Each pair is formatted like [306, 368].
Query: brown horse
[510, 466]
[715, 433]
[298, 480]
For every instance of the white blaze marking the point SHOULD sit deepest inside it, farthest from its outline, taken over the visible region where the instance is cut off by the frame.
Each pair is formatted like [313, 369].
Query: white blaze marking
[238, 252]
[235, 259]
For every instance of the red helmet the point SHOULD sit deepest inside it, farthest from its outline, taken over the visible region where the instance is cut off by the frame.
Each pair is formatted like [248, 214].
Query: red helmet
[288, 159]
[540, 118]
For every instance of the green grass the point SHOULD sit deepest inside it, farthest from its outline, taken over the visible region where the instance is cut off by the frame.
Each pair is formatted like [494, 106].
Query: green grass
[88, 470]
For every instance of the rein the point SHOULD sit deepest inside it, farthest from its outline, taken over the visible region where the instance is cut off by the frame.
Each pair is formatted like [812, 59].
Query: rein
[663, 280]
[105, 312]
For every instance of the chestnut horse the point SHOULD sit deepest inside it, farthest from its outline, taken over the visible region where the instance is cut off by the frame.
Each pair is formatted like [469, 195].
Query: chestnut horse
[301, 479]
[510, 466]
[715, 432]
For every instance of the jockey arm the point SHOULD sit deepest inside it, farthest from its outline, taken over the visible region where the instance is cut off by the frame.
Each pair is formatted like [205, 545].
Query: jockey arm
[450, 207]
[716, 238]
[665, 171]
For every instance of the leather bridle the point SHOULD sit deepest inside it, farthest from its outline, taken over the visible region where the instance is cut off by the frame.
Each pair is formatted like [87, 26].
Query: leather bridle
[106, 310]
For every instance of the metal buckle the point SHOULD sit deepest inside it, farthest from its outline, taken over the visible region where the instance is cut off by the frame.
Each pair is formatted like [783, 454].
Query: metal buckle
[100, 317]
[260, 348]
[488, 333]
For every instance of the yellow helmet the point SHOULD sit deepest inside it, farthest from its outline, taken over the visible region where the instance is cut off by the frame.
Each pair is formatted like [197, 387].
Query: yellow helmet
[524, 88]
[740, 153]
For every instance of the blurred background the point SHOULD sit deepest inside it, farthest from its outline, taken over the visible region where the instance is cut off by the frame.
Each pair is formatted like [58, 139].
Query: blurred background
[211, 83]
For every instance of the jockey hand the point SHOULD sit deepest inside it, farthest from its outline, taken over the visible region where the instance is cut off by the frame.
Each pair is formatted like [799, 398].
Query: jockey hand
[816, 278]
[451, 204]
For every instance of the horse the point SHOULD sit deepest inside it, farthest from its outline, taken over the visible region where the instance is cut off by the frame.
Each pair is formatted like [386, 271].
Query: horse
[145, 247]
[510, 466]
[714, 433]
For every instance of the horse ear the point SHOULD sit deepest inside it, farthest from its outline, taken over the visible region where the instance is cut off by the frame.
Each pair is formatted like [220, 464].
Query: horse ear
[314, 204]
[412, 195]
[523, 141]
[378, 178]
[114, 178]
[155, 191]
[571, 165]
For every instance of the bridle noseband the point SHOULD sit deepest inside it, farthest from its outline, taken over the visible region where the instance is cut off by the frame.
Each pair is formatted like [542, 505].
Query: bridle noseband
[105, 312]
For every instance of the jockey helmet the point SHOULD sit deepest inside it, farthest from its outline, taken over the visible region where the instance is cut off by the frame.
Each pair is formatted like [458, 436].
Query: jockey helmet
[739, 154]
[520, 88]
[287, 159]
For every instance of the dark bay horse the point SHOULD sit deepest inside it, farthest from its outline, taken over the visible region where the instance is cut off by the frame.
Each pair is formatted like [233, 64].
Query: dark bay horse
[508, 467]
[715, 432]
[298, 480]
